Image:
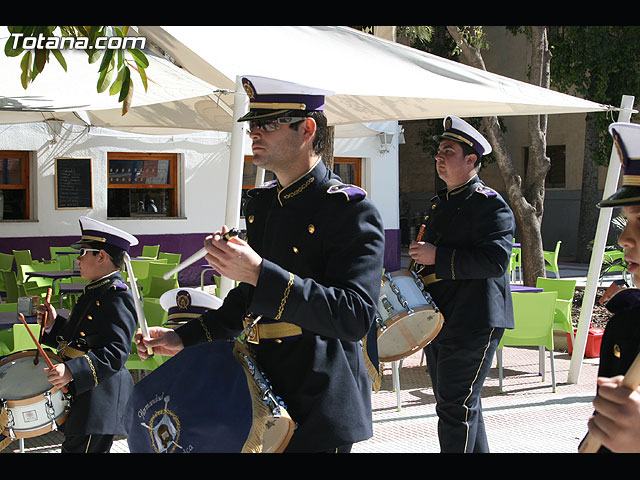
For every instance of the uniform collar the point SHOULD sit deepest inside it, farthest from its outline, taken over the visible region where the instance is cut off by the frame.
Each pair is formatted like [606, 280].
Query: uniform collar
[304, 183]
[101, 282]
[444, 193]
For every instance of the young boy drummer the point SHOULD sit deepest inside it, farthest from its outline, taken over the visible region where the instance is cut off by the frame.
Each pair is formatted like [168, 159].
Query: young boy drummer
[95, 341]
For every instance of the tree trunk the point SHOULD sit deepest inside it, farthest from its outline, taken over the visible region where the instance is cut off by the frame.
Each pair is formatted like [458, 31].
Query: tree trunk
[327, 153]
[526, 201]
[588, 218]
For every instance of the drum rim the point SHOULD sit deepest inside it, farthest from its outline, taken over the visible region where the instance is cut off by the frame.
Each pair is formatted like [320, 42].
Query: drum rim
[412, 350]
[26, 400]
[39, 430]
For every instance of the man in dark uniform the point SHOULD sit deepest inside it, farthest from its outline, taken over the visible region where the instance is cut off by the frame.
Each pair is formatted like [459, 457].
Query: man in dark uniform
[310, 273]
[95, 341]
[616, 423]
[463, 260]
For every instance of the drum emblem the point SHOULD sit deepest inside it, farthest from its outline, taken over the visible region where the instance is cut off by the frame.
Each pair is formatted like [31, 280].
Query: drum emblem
[164, 429]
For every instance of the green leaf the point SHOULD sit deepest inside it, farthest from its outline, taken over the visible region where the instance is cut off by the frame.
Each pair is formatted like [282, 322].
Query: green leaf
[117, 84]
[139, 57]
[40, 59]
[60, 58]
[126, 84]
[143, 77]
[10, 51]
[106, 59]
[94, 55]
[128, 99]
[25, 65]
[104, 79]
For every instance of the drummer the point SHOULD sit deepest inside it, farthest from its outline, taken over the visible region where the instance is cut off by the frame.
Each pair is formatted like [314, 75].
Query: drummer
[310, 272]
[95, 341]
[463, 262]
[616, 423]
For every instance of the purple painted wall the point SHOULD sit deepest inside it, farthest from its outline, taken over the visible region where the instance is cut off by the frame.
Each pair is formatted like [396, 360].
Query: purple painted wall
[185, 243]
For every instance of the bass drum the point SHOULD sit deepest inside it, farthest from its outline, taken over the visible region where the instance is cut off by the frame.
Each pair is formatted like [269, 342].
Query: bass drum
[407, 317]
[209, 398]
[31, 406]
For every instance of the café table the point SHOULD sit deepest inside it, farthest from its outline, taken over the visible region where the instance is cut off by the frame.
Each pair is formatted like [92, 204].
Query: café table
[524, 289]
[9, 319]
[55, 275]
[70, 289]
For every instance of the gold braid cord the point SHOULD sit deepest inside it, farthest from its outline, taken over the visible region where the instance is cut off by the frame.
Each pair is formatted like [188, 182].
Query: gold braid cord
[262, 414]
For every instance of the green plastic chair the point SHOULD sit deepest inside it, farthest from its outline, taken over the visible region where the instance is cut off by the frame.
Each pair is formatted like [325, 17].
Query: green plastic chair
[159, 285]
[155, 315]
[9, 307]
[43, 267]
[39, 285]
[19, 338]
[23, 257]
[6, 335]
[6, 264]
[170, 257]
[150, 251]
[157, 269]
[16, 289]
[515, 264]
[565, 290]
[551, 260]
[65, 260]
[613, 261]
[6, 261]
[140, 269]
[533, 317]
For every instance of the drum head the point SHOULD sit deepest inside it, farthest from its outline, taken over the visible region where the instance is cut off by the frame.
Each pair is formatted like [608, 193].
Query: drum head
[276, 437]
[406, 334]
[20, 378]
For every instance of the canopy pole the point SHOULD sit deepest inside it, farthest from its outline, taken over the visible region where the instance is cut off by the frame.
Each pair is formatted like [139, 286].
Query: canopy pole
[597, 253]
[236, 165]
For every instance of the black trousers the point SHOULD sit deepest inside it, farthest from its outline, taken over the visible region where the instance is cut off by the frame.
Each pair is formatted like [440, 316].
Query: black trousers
[87, 444]
[458, 367]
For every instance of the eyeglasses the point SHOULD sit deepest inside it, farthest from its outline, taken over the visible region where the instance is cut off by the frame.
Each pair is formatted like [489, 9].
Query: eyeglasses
[83, 251]
[272, 124]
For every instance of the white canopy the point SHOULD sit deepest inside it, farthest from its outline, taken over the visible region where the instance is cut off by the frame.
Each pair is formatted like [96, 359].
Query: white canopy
[72, 96]
[373, 79]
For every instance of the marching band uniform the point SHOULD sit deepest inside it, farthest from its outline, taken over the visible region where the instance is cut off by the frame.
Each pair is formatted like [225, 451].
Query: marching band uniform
[322, 247]
[621, 339]
[94, 343]
[472, 227]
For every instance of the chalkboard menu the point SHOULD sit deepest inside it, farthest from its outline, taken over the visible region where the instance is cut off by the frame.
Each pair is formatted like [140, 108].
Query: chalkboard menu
[73, 183]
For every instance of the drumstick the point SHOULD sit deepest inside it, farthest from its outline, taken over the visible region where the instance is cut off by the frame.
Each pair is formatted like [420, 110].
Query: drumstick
[631, 380]
[142, 321]
[40, 349]
[420, 233]
[44, 321]
[198, 255]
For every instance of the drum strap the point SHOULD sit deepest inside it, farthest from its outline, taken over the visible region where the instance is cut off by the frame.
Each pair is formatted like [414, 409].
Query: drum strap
[270, 331]
[429, 279]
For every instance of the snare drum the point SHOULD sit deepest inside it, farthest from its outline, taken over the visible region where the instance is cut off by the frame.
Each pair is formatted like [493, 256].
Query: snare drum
[407, 318]
[32, 405]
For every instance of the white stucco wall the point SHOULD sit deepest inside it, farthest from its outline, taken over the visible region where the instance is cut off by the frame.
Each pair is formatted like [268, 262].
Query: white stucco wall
[203, 169]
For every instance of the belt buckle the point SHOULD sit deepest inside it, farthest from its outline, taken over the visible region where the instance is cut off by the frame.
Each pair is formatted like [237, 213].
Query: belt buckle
[251, 330]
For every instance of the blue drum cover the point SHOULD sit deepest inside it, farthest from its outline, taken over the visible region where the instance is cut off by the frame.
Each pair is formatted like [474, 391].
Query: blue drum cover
[196, 402]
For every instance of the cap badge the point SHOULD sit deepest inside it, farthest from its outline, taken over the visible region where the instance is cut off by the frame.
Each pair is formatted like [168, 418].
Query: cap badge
[183, 300]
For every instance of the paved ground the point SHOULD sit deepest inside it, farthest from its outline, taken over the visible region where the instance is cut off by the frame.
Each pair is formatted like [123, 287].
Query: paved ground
[527, 418]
